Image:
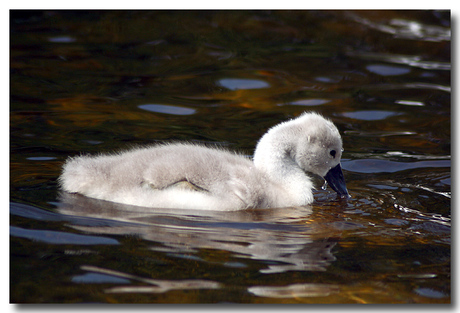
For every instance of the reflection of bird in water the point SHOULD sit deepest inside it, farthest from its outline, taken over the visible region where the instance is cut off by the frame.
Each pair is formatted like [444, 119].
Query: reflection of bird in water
[279, 238]
[313, 256]
[196, 177]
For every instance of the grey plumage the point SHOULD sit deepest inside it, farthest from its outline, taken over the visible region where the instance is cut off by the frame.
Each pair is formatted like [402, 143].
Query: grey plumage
[189, 176]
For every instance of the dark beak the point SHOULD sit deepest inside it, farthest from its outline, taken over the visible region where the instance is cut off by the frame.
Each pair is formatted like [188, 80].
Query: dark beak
[336, 180]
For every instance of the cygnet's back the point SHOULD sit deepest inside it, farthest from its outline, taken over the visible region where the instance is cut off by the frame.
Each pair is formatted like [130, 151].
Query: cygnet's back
[189, 176]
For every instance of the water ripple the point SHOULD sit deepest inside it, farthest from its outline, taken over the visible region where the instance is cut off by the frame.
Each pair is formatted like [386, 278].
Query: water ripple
[407, 29]
[411, 60]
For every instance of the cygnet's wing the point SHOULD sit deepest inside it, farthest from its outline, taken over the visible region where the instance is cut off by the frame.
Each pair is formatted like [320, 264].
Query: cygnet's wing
[229, 179]
[181, 184]
[185, 166]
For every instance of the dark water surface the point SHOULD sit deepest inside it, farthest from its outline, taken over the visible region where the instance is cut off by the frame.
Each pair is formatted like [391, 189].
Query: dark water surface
[90, 82]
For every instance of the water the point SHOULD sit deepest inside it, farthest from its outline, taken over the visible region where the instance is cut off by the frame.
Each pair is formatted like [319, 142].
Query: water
[90, 82]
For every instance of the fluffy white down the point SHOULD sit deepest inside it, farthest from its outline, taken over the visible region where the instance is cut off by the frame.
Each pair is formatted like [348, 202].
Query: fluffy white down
[189, 176]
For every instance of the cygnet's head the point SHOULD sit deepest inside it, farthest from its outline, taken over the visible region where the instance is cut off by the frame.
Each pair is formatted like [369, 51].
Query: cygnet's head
[319, 145]
[319, 150]
[313, 143]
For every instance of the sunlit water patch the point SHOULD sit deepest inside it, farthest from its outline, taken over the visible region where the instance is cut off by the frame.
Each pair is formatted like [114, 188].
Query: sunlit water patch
[387, 70]
[167, 109]
[371, 115]
[310, 102]
[242, 83]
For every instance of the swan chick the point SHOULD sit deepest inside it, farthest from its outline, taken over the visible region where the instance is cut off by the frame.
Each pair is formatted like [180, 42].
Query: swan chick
[190, 176]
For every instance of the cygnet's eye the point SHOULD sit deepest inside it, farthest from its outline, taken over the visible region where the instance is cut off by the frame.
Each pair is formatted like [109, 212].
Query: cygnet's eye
[332, 153]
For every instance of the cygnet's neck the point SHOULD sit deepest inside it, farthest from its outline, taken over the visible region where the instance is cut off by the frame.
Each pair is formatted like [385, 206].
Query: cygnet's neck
[275, 155]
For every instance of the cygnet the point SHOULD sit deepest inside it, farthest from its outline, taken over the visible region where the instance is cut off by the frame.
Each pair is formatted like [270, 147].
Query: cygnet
[191, 176]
